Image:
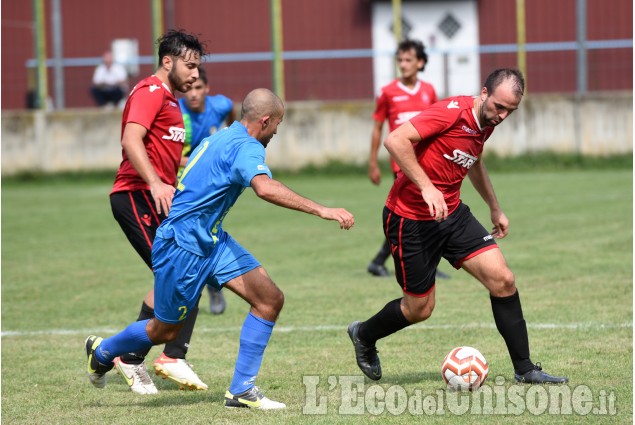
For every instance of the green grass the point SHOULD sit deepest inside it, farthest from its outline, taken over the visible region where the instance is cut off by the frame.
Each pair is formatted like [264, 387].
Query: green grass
[67, 270]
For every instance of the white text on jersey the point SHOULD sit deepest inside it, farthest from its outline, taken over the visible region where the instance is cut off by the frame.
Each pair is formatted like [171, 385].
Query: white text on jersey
[177, 134]
[461, 158]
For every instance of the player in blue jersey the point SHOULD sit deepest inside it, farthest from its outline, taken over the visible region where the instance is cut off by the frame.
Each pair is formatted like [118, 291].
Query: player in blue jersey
[203, 116]
[191, 249]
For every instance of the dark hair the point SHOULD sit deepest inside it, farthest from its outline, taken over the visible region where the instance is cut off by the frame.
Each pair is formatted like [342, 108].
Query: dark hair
[418, 47]
[202, 75]
[177, 42]
[499, 75]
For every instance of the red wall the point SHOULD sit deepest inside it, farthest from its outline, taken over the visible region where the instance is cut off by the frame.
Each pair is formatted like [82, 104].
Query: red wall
[555, 21]
[231, 26]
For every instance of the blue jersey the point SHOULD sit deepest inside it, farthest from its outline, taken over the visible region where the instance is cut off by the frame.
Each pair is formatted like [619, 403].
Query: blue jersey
[199, 125]
[216, 174]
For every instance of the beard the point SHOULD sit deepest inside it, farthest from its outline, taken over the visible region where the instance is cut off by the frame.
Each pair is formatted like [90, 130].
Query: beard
[177, 82]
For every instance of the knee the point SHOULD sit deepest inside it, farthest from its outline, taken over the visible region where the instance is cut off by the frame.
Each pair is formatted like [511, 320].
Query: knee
[277, 301]
[505, 284]
[269, 307]
[161, 333]
[419, 313]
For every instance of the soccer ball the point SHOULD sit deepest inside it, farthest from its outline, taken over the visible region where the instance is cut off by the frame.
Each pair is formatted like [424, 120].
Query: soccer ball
[464, 368]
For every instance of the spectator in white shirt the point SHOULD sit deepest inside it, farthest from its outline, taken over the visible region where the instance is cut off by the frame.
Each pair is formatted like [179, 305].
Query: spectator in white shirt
[110, 82]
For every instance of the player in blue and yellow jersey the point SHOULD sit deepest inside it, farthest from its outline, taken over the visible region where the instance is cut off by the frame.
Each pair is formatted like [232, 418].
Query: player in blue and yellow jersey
[191, 249]
[204, 115]
[152, 135]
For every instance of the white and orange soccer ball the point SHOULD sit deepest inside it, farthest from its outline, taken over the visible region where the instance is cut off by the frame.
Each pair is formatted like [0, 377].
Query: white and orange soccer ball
[464, 368]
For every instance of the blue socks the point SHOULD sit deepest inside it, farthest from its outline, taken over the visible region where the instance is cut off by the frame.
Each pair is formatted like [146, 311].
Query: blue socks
[254, 337]
[132, 339]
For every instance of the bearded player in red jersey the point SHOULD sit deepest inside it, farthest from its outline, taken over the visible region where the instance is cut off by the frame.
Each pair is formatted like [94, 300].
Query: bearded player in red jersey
[152, 136]
[398, 101]
[425, 220]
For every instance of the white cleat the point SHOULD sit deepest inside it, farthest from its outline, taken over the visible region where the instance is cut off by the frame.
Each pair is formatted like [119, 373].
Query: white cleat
[179, 371]
[253, 398]
[136, 376]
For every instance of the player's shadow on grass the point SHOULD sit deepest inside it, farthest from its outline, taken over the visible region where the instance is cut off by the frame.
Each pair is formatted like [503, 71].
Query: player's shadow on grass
[181, 398]
[411, 378]
[176, 398]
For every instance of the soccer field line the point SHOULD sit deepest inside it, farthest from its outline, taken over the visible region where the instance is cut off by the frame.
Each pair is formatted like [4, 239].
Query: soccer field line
[321, 328]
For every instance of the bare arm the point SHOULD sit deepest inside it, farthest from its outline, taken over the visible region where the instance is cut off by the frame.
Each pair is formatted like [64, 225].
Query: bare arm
[374, 173]
[483, 185]
[278, 194]
[400, 145]
[132, 143]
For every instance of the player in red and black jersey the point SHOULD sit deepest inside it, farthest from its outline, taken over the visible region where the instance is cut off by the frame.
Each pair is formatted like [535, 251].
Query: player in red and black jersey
[152, 137]
[402, 99]
[425, 220]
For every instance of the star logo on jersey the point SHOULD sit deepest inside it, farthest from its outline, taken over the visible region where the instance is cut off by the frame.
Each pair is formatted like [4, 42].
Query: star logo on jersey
[154, 87]
[461, 158]
[453, 104]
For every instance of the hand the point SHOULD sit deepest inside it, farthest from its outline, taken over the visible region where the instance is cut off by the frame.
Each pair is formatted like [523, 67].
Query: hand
[162, 194]
[501, 224]
[374, 174]
[340, 215]
[436, 203]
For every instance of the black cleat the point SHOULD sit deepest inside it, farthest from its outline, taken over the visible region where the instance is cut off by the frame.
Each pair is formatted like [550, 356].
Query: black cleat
[378, 270]
[366, 356]
[537, 376]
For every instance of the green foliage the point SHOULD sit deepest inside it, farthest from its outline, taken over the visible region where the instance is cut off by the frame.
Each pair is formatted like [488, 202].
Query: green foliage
[69, 271]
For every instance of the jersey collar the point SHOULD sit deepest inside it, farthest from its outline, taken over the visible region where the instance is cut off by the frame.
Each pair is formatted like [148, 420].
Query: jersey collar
[410, 91]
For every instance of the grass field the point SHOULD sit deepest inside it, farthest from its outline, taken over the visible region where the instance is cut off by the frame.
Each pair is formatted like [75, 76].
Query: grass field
[67, 271]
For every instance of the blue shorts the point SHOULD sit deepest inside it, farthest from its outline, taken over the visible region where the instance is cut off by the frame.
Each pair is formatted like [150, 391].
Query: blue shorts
[180, 275]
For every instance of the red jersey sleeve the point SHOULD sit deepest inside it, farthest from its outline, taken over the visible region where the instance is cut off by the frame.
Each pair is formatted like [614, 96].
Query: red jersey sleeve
[381, 107]
[436, 119]
[146, 103]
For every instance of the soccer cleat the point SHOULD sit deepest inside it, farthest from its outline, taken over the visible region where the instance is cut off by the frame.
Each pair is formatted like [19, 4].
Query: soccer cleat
[378, 270]
[537, 376]
[252, 398]
[96, 371]
[366, 355]
[136, 376]
[179, 371]
[217, 302]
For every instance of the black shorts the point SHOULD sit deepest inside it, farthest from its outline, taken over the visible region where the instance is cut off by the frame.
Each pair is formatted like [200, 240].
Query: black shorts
[418, 245]
[136, 214]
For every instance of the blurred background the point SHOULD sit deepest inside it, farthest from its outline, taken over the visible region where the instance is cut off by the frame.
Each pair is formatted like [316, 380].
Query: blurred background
[577, 56]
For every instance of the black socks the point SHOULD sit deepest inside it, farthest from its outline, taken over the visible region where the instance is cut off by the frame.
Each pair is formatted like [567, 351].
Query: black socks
[387, 321]
[177, 349]
[383, 254]
[508, 315]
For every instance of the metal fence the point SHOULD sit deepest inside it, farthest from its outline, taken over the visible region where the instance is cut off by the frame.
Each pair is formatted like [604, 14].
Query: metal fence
[327, 50]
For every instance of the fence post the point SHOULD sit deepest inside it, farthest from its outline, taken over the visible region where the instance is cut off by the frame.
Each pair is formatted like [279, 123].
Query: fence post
[58, 56]
[276, 47]
[157, 23]
[396, 29]
[521, 38]
[40, 54]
